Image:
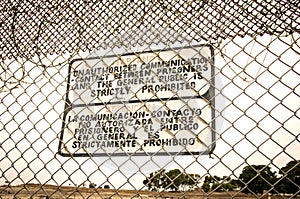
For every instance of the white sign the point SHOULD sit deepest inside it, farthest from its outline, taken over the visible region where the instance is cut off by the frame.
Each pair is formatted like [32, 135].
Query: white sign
[141, 103]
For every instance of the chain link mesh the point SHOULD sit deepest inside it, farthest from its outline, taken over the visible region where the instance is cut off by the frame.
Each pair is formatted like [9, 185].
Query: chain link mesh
[251, 143]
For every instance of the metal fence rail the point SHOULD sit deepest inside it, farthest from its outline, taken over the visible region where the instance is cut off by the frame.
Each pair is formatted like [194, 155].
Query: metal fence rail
[149, 99]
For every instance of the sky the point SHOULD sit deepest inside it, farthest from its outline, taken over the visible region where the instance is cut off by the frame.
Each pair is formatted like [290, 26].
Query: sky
[257, 118]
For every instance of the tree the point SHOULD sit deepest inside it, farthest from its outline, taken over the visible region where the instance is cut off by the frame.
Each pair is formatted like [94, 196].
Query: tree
[191, 181]
[256, 179]
[106, 186]
[228, 184]
[210, 183]
[206, 187]
[173, 180]
[232, 185]
[290, 178]
[156, 180]
[92, 185]
[217, 187]
[216, 183]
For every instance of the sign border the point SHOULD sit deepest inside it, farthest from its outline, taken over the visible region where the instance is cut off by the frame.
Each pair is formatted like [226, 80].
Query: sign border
[210, 94]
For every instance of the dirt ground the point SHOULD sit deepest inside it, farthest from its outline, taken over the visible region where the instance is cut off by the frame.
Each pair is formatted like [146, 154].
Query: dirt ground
[57, 192]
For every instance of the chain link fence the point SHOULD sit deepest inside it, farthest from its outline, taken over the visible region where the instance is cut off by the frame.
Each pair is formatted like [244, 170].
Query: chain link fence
[149, 99]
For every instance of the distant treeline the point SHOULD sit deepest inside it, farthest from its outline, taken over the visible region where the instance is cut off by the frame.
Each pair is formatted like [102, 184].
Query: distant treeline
[253, 179]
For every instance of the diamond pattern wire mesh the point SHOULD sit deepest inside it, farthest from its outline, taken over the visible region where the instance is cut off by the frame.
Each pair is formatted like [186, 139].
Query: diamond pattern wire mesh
[255, 98]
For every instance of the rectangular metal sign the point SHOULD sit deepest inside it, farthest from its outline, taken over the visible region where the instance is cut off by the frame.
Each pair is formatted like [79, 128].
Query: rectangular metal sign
[156, 102]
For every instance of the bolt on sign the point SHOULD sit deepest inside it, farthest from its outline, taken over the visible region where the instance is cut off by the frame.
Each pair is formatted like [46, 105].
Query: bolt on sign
[146, 103]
